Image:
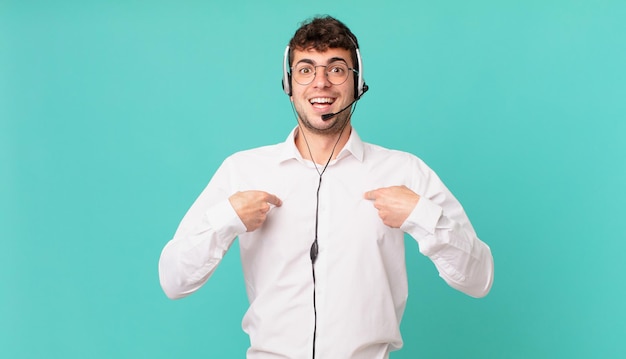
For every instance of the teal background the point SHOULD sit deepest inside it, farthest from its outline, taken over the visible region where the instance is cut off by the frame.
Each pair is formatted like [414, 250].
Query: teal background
[115, 114]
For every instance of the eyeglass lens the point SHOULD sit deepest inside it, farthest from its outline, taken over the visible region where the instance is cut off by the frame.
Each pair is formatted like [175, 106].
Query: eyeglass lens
[336, 72]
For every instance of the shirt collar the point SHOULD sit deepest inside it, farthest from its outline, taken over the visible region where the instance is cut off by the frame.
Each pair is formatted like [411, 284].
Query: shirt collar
[353, 147]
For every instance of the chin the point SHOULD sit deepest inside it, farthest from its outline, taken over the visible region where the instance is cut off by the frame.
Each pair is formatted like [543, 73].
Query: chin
[332, 126]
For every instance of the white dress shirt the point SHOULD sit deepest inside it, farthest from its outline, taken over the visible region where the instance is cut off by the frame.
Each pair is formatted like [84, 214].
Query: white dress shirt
[360, 273]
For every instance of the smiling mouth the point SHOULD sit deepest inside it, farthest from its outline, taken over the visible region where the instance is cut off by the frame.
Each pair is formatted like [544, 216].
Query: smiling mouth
[322, 102]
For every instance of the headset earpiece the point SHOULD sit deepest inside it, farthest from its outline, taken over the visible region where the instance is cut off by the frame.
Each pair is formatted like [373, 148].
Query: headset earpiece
[359, 83]
[286, 73]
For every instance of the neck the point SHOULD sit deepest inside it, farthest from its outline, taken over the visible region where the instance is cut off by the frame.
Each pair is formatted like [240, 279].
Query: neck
[322, 146]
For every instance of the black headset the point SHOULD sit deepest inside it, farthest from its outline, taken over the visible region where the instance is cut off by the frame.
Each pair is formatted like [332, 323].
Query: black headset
[359, 84]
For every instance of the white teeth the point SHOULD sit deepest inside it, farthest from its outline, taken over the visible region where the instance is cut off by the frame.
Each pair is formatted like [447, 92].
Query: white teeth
[322, 100]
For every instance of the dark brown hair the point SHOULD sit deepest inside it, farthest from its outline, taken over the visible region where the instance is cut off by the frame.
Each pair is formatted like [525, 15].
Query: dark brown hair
[321, 34]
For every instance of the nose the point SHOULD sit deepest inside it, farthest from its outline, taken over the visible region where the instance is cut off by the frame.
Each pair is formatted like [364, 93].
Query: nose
[321, 78]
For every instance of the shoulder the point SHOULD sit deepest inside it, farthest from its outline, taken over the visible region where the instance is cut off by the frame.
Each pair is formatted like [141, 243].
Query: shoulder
[403, 167]
[377, 153]
[258, 151]
[255, 154]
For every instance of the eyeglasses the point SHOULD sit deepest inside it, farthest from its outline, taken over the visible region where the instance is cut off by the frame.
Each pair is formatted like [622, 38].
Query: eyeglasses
[336, 72]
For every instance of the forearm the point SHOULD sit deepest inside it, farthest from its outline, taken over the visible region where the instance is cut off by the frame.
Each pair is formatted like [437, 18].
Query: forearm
[191, 257]
[448, 239]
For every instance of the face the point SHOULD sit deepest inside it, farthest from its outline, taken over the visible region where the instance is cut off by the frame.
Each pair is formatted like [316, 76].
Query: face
[321, 96]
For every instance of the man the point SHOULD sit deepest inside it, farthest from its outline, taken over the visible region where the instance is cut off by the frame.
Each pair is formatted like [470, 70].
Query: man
[321, 220]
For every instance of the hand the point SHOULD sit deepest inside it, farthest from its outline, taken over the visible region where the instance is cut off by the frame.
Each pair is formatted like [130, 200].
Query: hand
[394, 204]
[252, 207]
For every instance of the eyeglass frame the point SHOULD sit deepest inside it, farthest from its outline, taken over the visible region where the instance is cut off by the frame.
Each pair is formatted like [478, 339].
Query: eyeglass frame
[340, 60]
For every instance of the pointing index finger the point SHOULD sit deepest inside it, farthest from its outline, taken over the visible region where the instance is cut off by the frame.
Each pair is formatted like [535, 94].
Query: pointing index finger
[370, 195]
[272, 199]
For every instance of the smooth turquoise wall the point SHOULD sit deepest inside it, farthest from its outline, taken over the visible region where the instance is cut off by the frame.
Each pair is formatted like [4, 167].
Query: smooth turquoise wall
[114, 115]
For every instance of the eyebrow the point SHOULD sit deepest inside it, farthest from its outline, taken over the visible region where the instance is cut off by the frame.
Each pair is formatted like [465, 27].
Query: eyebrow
[331, 60]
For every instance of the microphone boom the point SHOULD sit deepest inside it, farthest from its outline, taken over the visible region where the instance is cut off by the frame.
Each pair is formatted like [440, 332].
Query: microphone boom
[328, 116]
